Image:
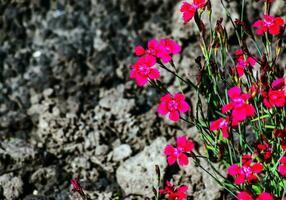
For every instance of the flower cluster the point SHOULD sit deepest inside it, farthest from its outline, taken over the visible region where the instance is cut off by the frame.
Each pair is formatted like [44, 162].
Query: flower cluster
[246, 108]
[144, 69]
[247, 172]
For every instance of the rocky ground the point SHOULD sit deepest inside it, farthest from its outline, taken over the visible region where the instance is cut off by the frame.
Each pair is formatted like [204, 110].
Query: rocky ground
[68, 108]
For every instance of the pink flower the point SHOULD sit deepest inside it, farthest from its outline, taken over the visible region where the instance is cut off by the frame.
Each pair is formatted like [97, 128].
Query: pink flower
[222, 124]
[163, 49]
[179, 153]
[243, 62]
[168, 47]
[270, 24]
[143, 70]
[244, 196]
[153, 48]
[179, 193]
[282, 166]
[279, 83]
[240, 109]
[189, 10]
[265, 196]
[173, 106]
[246, 172]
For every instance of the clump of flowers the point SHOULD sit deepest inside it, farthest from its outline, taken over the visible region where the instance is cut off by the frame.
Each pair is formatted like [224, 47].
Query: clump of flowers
[243, 124]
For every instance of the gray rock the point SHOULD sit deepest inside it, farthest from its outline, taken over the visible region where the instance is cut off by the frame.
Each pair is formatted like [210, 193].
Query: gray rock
[137, 175]
[12, 186]
[121, 152]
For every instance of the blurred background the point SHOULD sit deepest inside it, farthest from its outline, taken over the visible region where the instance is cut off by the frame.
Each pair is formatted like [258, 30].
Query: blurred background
[69, 109]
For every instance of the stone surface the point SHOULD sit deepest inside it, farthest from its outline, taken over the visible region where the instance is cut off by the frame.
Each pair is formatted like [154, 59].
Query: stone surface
[12, 186]
[137, 175]
[121, 152]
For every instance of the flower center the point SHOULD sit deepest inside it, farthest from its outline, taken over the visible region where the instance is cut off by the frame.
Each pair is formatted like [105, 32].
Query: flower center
[178, 151]
[144, 69]
[246, 171]
[223, 123]
[268, 22]
[173, 105]
[238, 101]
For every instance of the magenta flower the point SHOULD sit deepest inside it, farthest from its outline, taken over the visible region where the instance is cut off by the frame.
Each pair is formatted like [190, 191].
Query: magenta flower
[153, 48]
[173, 106]
[167, 48]
[189, 10]
[179, 193]
[282, 166]
[220, 124]
[247, 172]
[270, 24]
[163, 49]
[244, 196]
[143, 70]
[240, 109]
[243, 62]
[265, 196]
[179, 153]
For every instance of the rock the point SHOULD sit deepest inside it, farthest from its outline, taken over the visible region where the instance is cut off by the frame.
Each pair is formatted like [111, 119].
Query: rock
[15, 153]
[202, 186]
[137, 174]
[12, 186]
[121, 152]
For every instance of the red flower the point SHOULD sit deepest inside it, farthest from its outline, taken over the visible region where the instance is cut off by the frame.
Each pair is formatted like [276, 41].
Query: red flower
[275, 98]
[76, 186]
[179, 153]
[281, 134]
[265, 196]
[243, 62]
[270, 24]
[162, 49]
[265, 151]
[222, 124]
[247, 172]
[173, 106]
[240, 109]
[189, 10]
[179, 193]
[282, 166]
[143, 70]
[244, 196]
